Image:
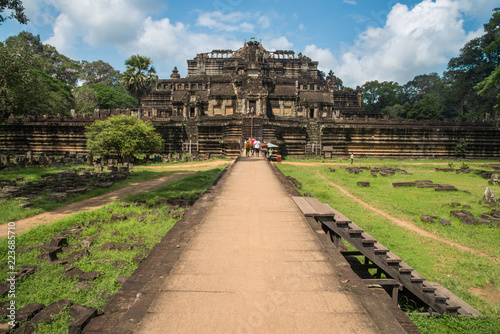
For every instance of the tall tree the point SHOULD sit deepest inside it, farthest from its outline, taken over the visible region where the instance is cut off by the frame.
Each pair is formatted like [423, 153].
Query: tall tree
[99, 72]
[378, 95]
[139, 78]
[476, 61]
[16, 11]
[47, 57]
[90, 97]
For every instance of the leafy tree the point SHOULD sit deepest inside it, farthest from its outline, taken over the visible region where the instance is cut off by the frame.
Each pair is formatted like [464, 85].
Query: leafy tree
[27, 90]
[85, 99]
[122, 135]
[414, 90]
[378, 95]
[46, 57]
[477, 60]
[16, 8]
[429, 107]
[491, 85]
[99, 72]
[90, 97]
[139, 77]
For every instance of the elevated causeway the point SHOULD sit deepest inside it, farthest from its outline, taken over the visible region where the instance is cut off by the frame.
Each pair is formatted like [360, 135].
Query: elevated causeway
[244, 259]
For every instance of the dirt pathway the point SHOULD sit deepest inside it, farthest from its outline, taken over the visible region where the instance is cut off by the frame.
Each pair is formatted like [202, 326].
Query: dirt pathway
[26, 224]
[409, 225]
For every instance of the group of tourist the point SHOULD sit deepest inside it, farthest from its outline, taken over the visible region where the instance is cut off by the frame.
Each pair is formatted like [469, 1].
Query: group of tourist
[253, 146]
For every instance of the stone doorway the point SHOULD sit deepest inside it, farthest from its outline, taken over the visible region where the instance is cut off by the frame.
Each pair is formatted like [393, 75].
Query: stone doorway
[252, 106]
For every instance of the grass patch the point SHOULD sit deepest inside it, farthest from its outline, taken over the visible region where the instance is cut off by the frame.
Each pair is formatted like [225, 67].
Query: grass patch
[457, 270]
[145, 226]
[10, 211]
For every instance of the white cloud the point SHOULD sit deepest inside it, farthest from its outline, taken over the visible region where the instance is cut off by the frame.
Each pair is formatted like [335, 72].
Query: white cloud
[226, 22]
[412, 42]
[301, 27]
[279, 43]
[104, 22]
[350, 2]
[325, 58]
[264, 22]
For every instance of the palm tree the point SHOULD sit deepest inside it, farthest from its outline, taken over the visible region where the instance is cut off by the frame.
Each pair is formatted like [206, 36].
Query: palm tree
[139, 78]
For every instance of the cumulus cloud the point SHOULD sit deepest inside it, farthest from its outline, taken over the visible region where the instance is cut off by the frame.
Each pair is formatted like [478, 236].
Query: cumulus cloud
[412, 41]
[278, 43]
[350, 2]
[105, 22]
[230, 22]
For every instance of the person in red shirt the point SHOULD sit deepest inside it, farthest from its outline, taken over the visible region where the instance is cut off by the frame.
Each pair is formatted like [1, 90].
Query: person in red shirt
[253, 143]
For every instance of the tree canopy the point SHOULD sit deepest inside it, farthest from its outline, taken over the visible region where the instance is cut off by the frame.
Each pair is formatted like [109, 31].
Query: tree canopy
[122, 135]
[99, 96]
[139, 77]
[16, 11]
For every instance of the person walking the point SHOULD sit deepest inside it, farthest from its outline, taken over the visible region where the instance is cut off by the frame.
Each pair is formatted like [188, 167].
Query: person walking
[256, 147]
[252, 142]
[352, 158]
[248, 145]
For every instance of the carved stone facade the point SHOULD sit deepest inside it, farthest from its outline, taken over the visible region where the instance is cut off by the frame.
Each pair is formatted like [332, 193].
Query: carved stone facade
[252, 80]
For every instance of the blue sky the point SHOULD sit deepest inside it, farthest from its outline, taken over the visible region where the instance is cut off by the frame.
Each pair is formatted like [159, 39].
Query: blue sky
[360, 40]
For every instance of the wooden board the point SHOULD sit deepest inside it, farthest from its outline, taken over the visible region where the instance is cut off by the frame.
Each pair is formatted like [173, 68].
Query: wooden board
[304, 206]
[311, 207]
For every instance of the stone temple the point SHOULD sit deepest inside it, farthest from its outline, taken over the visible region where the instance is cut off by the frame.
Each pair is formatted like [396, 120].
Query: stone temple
[276, 96]
[253, 81]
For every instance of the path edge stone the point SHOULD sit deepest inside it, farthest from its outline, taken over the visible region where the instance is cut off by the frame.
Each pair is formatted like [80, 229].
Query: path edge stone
[125, 310]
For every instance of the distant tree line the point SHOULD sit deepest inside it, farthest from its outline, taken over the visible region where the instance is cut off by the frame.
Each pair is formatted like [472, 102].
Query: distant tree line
[468, 90]
[35, 79]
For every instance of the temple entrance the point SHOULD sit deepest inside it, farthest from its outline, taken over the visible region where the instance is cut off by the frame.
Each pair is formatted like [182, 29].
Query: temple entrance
[252, 128]
[252, 107]
[191, 112]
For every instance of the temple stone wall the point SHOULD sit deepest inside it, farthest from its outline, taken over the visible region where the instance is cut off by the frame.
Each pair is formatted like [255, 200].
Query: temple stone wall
[224, 136]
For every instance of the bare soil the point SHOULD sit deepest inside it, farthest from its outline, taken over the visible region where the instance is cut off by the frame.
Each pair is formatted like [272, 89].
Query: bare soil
[26, 224]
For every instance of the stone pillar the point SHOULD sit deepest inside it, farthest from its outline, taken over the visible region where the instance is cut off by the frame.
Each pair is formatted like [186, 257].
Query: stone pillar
[258, 106]
[223, 108]
[282, 108]
[210, 108]
[185, 112]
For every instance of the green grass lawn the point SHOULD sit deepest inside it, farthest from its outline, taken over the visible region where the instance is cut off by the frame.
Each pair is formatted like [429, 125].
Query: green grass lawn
[46, 285]
[10, 210]
[457, 270]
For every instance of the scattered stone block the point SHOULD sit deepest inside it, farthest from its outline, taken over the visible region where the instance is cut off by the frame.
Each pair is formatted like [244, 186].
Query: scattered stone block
[455, 204]
[108, 245]
[89, 276]
[25, 205]
[83, 286]
[138, 258]
[25, 270]
[363, 184]
[117, 217]
[445, 187]
[444, 222]
[428, 218]
[404, 184]
[48, 256]
[489, 196]
[72, 273]
[82, 316]
[47, 314]
[119, 263]
[59, 241]
[124, 246]
[78, 255]
[27, 312]
[177, 214]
